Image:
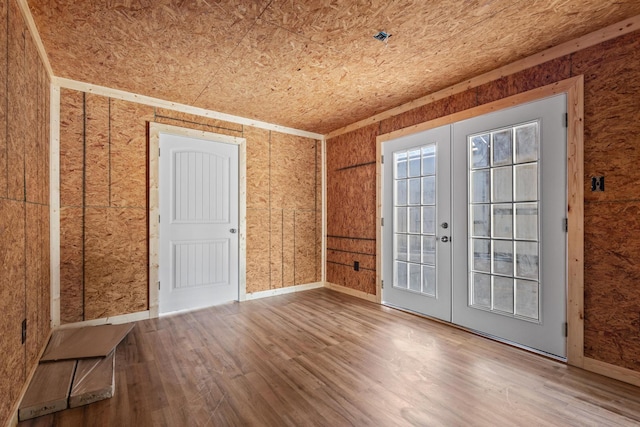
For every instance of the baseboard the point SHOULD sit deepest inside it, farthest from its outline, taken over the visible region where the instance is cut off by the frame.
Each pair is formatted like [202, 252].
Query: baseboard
[13, 418]
[113, 320]
[612, 371]
[282, 291]
[352, 292]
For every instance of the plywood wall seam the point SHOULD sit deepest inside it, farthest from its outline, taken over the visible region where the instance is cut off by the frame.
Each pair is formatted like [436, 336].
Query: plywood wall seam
[109, 142]
[84, 196]
[359, 165]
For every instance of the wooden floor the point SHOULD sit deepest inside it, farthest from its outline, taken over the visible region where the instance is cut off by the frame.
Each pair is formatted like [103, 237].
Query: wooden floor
[327, 359]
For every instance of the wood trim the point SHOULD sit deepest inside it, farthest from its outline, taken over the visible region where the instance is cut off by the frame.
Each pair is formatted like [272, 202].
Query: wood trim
[352, 292]
[379, 196]
[54, 203]
[575, 222]
[112, 320]
[283, 291]
[323, 256]
[612, 371]
[574, 88]
[155, 102]
[624, 27]
[154, 204]
[33, 29]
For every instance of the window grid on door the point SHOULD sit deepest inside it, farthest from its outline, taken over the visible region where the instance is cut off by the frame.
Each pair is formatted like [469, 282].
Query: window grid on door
[504, 227]
[414, 225]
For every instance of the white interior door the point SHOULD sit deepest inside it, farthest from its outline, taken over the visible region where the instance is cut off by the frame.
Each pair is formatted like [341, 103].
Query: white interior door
[417, 212]
[198, 223]
[501, 191]
[510, 198]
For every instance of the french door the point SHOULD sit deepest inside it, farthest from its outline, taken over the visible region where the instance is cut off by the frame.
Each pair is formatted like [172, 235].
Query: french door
[418, 265]
[500, 265]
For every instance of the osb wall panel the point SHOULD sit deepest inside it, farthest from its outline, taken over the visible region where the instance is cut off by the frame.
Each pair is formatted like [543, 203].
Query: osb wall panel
[351, 205]
[351, 197]
[24, 210]
[612, 260]
[347, 258]
[12, 303]
[71, 147]
[612, 299]
[612, 107]
[363, 280]
[258, 250]
[97, 151]
[293, 172]
[115, 261]
[258, 183]
[29, 115]
[129, 153]
[17, 102]
[71, 265]
[38, 303]
[276, 249]
[305, 247]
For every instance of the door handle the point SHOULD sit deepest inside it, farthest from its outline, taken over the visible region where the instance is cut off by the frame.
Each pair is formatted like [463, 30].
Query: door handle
[233, 231]
[444, 239]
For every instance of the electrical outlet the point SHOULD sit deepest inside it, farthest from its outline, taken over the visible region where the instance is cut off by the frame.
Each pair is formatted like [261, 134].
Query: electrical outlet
[356, 265]
[597, 183]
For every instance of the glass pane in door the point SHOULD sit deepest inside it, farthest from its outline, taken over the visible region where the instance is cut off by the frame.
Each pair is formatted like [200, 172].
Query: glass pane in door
[503, 206]
[414, 226]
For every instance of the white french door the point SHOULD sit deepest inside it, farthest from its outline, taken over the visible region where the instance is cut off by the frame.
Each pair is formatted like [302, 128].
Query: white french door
[506, 243]
[199, 217]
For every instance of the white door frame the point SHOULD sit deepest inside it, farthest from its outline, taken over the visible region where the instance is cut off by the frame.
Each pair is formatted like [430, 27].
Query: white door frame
[574, 88]
[154, 206]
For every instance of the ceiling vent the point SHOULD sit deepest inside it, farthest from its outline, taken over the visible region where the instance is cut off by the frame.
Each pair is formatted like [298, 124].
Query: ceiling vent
[382, 36]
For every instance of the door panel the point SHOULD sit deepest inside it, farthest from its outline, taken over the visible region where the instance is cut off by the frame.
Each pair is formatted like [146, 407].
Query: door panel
[509, 274]
[500, 266]
[198, 231]
[417, 268]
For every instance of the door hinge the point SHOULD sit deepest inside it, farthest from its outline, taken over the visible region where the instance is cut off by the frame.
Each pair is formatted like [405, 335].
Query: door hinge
[24, 331]
[158, 219]
[158, 151]
[382, 284]
[565, 225]
[382, 222]
[158, 285]
[566, 120]
[382, 159]
[565, 329]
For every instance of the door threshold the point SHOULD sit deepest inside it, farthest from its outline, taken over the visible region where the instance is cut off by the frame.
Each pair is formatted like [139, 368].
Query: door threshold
[480, 334]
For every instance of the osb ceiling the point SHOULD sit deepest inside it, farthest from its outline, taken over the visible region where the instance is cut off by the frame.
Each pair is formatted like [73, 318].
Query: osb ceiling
[310, 65]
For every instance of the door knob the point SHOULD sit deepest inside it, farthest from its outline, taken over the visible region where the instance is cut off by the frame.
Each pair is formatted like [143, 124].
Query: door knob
[233, 231]
[444, 225]
[444, 239]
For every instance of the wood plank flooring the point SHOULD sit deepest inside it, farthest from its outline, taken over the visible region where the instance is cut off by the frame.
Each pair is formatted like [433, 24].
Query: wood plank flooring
[321, 358]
